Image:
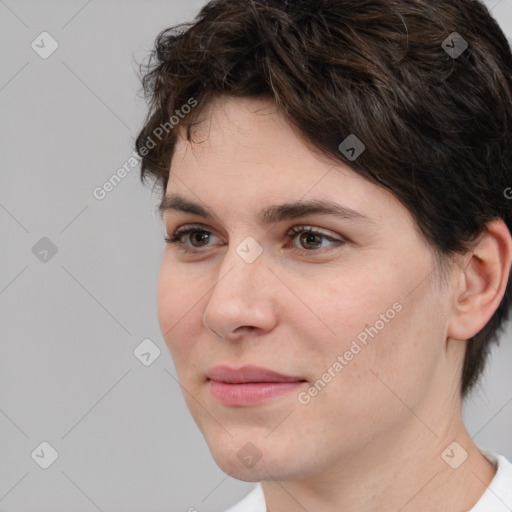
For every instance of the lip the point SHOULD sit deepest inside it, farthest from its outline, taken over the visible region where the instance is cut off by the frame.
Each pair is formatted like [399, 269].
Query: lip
[249, 385]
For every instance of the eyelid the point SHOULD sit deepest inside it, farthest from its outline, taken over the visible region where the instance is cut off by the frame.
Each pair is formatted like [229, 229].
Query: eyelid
[308, 228]
[295, 229]
[186, 228]
[305, 227]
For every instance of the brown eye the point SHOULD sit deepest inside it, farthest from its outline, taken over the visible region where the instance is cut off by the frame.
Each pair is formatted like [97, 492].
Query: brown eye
[197, 237]
[310, 239]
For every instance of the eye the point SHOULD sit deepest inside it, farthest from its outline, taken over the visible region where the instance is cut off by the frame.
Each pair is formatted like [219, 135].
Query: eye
[200, 237]
[194, 237]
[310, 239]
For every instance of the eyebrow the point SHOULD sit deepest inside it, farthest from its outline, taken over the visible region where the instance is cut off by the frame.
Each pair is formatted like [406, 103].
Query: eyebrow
[271, 214]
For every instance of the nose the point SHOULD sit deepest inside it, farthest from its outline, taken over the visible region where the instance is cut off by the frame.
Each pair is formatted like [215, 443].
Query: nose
[243, 300]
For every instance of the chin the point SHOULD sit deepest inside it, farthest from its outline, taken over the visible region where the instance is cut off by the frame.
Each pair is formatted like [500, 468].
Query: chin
[245, 474]
[242, 456]
[255, 461]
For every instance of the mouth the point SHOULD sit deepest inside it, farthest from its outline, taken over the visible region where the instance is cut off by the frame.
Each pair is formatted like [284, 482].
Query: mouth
[249, 385]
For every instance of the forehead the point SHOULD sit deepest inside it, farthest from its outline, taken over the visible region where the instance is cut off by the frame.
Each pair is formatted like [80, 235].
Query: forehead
[252, 126]
[243, 151]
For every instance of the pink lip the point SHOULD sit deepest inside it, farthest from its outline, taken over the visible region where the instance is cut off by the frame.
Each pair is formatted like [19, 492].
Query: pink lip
[249, 385]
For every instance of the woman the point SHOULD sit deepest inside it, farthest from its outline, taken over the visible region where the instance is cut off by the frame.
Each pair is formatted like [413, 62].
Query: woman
[334, 179]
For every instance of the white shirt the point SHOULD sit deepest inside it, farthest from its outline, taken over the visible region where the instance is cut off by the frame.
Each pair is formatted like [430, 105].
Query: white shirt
[496, 498]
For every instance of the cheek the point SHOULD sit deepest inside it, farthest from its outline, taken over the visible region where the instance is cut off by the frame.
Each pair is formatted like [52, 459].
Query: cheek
[353, 306]
[415, 344]
[390, 342]
[372, 320]
[178, 303]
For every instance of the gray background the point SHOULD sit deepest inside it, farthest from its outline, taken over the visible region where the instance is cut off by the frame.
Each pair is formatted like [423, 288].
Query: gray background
[69, 326]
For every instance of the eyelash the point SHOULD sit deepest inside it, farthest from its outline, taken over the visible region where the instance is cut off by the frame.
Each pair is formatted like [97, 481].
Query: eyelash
[292, 234]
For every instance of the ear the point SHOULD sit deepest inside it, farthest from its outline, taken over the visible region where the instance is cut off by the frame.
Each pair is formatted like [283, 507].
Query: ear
[482, 282]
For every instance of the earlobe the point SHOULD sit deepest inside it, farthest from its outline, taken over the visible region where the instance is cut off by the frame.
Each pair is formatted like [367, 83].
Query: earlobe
[482, 282]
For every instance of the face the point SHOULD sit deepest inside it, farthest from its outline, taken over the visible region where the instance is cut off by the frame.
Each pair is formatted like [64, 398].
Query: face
[293, 329]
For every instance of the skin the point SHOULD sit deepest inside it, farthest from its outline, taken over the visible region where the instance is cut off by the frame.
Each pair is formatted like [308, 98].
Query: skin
[372, 438]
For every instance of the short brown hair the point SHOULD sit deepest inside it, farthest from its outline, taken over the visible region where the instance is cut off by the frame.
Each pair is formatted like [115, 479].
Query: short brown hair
[436, 125]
